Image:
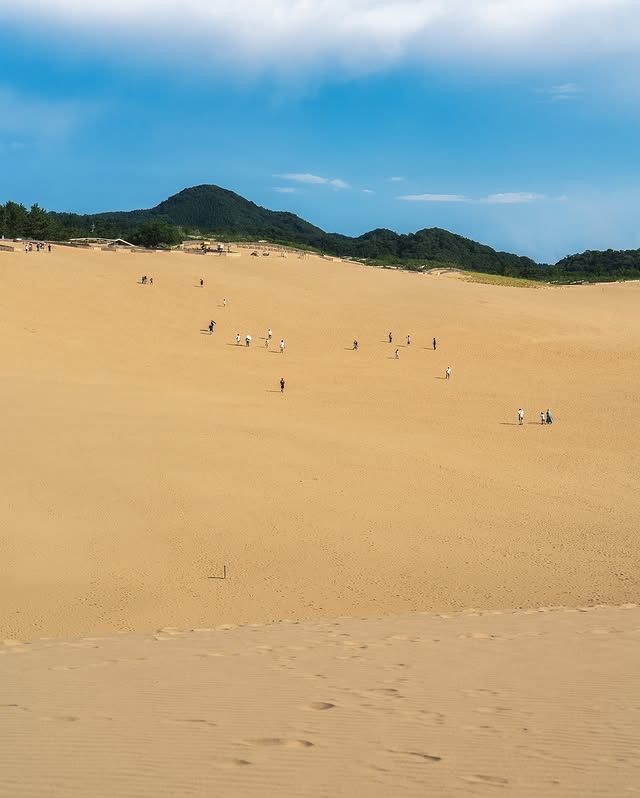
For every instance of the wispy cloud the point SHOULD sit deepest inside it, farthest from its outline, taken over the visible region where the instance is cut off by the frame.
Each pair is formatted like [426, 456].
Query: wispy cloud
[345, 36]
[396, 179]
[285, 189]
[317, 180]
[512, 198]
[367, 191]
[507, 198]
[434, 198]
[563, 92]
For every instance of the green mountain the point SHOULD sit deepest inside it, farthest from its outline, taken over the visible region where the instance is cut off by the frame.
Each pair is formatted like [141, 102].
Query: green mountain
[211, 210]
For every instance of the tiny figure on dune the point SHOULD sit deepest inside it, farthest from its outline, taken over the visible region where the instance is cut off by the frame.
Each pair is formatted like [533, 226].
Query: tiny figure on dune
[543, 418]
[201, 282]
[408, 340]
[390, 338]
[281, 384]
[549, 417]
[212, 327]
[520, 416]
[224, 303]
[237, 339]
[266, 343]
[435, 344]
[397, 354]
[355, 345]
[150, 280]
[269, 334]
[281, 345]
[247, 340]
[447, 373]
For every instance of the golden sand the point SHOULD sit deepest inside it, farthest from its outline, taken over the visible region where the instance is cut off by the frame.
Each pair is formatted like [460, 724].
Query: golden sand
[528, 705]
[140, 454]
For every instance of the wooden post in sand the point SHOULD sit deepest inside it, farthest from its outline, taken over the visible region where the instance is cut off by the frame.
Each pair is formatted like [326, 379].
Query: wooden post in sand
[224, 573]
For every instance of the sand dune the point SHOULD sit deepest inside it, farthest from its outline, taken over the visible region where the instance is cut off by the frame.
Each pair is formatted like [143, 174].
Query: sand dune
[520, 704]
[141, 454]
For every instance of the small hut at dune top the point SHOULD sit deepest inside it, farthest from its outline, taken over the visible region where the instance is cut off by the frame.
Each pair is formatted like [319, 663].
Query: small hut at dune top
[102, 243]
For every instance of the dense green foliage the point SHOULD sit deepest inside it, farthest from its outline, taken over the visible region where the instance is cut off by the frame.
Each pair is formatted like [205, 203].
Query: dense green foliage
[210, 210]
[158, 235]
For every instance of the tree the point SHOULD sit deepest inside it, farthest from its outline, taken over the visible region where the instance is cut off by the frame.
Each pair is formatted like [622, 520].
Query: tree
[155, 235]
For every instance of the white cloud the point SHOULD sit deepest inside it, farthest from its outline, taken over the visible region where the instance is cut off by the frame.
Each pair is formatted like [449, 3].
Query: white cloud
[563, 92]
[512, 198]
[434, 198]
[305, 177]
[348, 36]
[367, 191]
[396, 179]
[285, 189]
[507, 198]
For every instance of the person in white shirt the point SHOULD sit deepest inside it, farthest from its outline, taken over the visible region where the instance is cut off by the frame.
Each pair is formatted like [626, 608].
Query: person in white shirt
[281, 345]
[247, 340]
[520, 416]
[237, 339]
[447, 373]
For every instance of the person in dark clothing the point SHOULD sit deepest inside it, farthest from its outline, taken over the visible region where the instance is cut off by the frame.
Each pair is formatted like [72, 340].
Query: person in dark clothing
[281, 384]
[435, 344]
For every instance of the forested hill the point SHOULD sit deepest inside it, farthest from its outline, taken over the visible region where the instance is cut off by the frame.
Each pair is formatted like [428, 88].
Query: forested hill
[211, 210]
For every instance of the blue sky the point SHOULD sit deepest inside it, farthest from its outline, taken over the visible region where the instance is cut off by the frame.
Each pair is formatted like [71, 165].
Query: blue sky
[516, 124]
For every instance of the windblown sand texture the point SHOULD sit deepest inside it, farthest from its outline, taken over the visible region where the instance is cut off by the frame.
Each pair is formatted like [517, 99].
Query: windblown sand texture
[536, 704]
[140, 454]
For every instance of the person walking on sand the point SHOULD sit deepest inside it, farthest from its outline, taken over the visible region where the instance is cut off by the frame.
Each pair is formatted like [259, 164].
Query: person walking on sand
[237, 339]
[247, 340]
[390, 338]
[447, 373]
[281, 384]
[224, 303]
[212, 327]
[543, 418]
[269, 334]
[266, 343]
[355, 346]
[201, 282]
[549, 417]
[408, 340]
[520, 416]
[397, 354]
[281, 346]
[435, 344]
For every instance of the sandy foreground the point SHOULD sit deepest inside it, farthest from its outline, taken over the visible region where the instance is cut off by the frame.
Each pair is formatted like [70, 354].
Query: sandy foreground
[140, 454]
[532, 703]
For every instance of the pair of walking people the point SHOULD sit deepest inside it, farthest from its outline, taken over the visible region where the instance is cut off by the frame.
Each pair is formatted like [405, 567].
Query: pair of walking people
[545, 417]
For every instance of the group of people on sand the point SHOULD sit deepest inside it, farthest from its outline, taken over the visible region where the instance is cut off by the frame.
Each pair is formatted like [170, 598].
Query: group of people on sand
[546, 417]
[144, 280]
[248, 339]
[38, 246]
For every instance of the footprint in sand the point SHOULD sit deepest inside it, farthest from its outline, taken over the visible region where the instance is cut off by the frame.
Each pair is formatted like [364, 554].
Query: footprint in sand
[197, 721]
[279, 741]
[319, 705]
[495, 781]
[418, 754]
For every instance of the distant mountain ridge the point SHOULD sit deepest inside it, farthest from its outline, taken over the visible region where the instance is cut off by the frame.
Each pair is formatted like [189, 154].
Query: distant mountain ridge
[212, 210]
